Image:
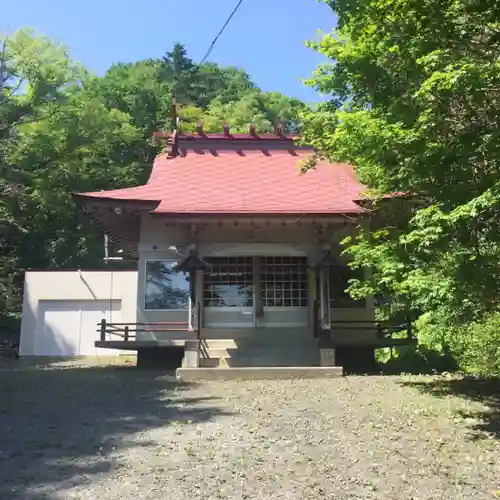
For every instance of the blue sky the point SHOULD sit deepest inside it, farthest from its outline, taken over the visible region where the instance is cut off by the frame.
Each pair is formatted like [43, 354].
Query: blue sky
[266, 37]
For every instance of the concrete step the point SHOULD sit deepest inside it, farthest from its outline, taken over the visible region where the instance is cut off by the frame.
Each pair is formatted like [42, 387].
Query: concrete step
[259, 342]
[259, 334]
[256, 351]
[256, 362]
[258, 373]
[215, 333]
[259, 357]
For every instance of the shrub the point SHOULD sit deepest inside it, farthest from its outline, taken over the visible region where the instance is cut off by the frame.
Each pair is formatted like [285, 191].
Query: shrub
[417, 359]
[478, 347]
[474, 347]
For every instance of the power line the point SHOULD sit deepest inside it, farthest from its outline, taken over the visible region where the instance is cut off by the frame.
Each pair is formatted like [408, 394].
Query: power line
[212, 45]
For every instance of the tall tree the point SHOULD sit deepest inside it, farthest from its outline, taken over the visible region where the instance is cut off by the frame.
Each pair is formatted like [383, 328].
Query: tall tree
[415, 103]
[11, 191]
[140, 91]
[184, 75]
[32, 73]
[228, 84]
[264, 109]
[56, 138]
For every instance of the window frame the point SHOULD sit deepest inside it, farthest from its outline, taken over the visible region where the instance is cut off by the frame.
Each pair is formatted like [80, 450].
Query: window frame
[188, 307]
[299, 286]
[237, 265]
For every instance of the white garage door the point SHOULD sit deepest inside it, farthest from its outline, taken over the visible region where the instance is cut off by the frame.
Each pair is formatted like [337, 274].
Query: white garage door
[69, 327]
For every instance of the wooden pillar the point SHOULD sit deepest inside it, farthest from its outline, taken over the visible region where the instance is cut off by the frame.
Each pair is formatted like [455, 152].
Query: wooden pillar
[199, 284]
[311, 278]
[257, 295]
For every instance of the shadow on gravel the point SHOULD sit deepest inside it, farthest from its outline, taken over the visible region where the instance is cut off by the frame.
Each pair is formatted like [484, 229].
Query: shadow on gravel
[59, 426]
[484, 391]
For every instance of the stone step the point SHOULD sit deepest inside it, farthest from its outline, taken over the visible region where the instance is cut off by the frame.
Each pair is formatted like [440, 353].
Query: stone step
[285, 355]
[259, 334]
[244, 332]
[254, 351]
[261, 361]
[258, 373]
[259, 342]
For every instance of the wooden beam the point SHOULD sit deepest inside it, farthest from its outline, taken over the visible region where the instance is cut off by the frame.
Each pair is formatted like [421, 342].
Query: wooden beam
[228, 220]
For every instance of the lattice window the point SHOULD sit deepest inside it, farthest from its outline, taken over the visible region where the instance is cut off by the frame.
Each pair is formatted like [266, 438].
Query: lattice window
[338, 278]
[229, 283]
[284, 281]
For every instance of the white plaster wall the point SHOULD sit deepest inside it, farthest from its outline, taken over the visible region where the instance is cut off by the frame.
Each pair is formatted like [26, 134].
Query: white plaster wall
[120, 287]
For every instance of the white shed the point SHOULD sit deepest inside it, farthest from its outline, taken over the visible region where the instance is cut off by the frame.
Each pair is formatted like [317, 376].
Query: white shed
[61, 310]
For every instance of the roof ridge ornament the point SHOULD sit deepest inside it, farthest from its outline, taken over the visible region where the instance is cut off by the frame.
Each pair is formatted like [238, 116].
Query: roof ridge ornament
[176, 138]
[199, 128]
[279, 130]
[173, 144]
[173, 151]
[252, 131]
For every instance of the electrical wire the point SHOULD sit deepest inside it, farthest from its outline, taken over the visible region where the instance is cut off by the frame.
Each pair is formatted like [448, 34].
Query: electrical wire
[212, 45]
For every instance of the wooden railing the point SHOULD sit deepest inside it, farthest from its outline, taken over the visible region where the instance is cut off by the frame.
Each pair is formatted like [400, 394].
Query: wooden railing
[128, 331]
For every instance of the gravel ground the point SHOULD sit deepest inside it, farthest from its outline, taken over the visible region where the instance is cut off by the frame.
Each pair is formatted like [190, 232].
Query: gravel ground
[79, 431]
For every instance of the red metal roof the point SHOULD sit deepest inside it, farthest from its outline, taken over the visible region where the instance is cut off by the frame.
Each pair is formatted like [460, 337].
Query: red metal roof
[243, 180]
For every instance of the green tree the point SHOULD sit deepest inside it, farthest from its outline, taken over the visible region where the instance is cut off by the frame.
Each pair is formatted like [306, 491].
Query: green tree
[184, 76]
[77, 148]
[228, 84]
[285, 109]
[264, 109]
[239, 114]
[138, 90]
[415, 105]
[32, 73]
[11, 191]
[56, 138]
